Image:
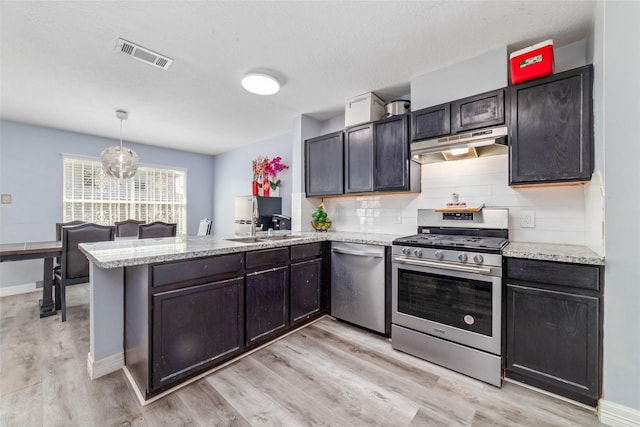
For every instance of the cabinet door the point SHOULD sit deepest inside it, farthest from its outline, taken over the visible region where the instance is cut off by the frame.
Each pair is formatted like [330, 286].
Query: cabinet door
[431, 122]
[478, 111]
[553, 340]
[551, 129]
[358, 166]
[391, 166]
[195, 328]
[306, 279]
[267, 304]
[324, 165]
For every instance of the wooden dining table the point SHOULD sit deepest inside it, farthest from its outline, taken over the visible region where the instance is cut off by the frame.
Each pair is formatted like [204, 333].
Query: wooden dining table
[36, 250]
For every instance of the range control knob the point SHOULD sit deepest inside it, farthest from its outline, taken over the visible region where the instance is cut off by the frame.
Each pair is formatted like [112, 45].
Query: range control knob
[462, 257]
[417, 252]
[478, 259]
[439, 254]
[406, 251]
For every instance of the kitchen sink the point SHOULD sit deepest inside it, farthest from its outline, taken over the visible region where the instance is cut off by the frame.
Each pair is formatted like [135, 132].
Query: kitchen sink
[255, 239]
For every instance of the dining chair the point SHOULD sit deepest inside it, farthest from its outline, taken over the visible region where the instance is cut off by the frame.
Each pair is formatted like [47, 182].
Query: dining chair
[74, 264]
[59, 226]
[156, 229]
[127, 228]
[204, 228]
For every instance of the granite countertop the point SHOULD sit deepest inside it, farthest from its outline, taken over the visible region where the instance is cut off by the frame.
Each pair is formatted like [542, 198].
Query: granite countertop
[125, 253]
[576, 254]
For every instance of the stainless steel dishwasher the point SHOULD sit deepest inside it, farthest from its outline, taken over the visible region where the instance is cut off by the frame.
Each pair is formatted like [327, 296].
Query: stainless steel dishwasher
[358, 284]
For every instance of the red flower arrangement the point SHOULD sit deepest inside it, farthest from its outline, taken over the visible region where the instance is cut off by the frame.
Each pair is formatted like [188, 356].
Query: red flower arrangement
[263, 168]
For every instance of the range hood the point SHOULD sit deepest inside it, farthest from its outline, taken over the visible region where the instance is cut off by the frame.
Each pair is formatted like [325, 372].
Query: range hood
[479, 143]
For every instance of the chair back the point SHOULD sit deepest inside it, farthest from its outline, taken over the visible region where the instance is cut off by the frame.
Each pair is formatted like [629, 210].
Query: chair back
[75, 266]
[204, 229]
[59, 226]
[127, 228]
[156, 229]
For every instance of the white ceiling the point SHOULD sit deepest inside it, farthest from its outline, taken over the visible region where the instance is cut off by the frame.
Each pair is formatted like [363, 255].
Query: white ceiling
[59, 68]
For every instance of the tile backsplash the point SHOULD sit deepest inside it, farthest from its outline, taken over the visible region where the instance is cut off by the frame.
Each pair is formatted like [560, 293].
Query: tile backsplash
[559, 210]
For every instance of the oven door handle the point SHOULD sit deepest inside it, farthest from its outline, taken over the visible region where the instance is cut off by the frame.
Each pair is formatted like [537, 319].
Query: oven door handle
[426, 263]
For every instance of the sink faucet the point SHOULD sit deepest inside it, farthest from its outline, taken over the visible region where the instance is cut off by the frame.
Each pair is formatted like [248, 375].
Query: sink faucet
[254, 215]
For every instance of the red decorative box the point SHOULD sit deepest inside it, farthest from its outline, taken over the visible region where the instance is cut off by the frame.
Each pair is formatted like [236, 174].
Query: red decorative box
[532, 62]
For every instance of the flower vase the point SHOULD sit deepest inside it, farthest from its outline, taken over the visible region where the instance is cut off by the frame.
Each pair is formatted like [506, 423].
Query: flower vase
[265, 188]
[274, 191]
[254, 188]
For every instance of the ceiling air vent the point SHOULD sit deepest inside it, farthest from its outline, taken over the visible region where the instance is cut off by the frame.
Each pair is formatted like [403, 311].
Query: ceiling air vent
[142, 54]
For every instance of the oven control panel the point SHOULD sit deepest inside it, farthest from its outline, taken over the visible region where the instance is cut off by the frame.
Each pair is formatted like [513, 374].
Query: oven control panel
[457, 216]
[447, 255]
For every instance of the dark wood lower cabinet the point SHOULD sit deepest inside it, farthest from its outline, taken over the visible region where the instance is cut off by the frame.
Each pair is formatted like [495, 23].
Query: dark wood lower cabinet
[183, 318]
[554, 328]
[306, 283]
[267, 304]
[195, 328]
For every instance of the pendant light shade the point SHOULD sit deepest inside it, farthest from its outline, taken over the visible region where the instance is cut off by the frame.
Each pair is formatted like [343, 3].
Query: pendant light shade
[120, 162]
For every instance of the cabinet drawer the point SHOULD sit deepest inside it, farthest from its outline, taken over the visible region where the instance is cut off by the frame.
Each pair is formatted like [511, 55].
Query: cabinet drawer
[555, 273]
[197, 270]
[309, 250]
[267, 258]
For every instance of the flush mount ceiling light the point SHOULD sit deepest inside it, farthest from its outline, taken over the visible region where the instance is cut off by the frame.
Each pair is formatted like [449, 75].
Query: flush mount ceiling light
[260, 84]
[120, 162]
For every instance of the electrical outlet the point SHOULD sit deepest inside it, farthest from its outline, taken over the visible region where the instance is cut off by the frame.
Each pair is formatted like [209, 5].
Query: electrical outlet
[6, 199]
[397, 219]
[527, 219]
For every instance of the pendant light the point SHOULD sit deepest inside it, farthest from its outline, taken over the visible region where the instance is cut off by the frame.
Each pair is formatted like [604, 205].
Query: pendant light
[120, 162]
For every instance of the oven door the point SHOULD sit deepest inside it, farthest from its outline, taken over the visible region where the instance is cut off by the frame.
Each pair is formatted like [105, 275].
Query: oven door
[459, 306]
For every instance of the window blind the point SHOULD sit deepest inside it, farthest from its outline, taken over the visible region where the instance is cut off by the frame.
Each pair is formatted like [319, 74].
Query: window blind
[154, 194]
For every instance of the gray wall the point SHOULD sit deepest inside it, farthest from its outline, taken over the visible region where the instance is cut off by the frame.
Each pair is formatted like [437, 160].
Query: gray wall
[31, 171]
[233, 175]
[620, 33]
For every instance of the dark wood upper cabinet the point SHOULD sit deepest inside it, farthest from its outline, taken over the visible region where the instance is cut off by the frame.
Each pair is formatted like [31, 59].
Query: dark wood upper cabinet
[478, 111]
[551, 129]
[358, 159]
[393, 170]
[324, 165]
[431, 122]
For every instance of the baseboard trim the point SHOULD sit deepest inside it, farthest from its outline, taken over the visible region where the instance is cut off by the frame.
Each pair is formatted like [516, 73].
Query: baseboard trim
[102, 367]
[616, 415]
[18, 289]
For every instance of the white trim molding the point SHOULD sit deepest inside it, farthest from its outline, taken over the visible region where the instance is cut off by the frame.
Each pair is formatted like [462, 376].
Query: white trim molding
[102, 367]
[616, 415]
[18, 289]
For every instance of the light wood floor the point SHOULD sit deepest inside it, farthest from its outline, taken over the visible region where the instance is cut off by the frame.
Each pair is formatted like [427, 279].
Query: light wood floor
[326, 374]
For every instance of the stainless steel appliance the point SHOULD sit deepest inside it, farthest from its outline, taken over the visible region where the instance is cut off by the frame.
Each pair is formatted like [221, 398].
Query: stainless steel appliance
[447, 291]
[358, 285]
[258, 209]
[481, 142]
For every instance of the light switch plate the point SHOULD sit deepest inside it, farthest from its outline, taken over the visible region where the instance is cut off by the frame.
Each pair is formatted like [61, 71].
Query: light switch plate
[6, 199]
[527, 219]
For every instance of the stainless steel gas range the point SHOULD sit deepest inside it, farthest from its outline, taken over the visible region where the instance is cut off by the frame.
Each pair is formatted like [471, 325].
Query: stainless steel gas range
[447, 291]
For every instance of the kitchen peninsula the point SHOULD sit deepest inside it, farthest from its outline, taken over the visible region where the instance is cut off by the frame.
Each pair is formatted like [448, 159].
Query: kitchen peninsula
[189, 274]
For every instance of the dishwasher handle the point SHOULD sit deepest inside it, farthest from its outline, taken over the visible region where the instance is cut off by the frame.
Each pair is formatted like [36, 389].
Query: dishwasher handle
[357, 253]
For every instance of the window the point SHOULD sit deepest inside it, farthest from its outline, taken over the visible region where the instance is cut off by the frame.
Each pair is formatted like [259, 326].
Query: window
[155, 194]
